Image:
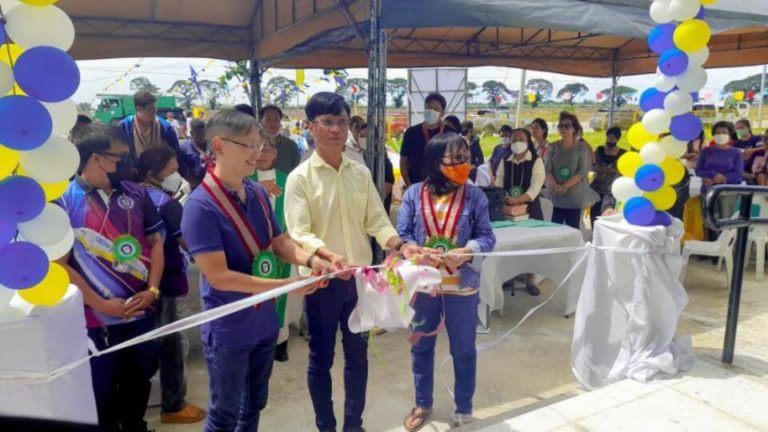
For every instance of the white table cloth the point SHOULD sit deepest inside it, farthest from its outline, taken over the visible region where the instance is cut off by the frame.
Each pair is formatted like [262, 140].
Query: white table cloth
[629, 306]
[44, 340]
[497, 270]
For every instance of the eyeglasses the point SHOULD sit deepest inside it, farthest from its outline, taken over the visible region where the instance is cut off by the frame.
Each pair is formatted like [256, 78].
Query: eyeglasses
[116, 157]
[565, 126]
[250, 147]
[456, 159]
[329, 124]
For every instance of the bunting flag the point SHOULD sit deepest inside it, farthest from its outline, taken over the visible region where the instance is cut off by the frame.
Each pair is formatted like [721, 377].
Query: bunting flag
[193, 80]
[299, 77]
[600, 96]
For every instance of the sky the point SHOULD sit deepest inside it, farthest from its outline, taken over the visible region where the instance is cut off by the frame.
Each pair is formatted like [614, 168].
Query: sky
[103, 76]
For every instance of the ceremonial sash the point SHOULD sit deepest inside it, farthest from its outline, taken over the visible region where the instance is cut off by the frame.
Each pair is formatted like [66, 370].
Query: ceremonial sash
[443, 237]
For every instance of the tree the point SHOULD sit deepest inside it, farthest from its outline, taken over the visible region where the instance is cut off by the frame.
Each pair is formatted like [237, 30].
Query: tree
[541, 87]
[281, 89]
[623, 94]
[397, 88]
[213, 91]
[494, 90]
[750, 83]
[240, 71]
[473, 91]
[185, 92]
[142, 83]
[570, 91]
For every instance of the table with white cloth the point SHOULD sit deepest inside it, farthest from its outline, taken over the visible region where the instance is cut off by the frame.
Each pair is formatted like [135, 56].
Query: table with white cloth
[497, 270]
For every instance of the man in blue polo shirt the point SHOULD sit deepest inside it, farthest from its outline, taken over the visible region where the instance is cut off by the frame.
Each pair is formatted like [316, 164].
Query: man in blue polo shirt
[232, 232]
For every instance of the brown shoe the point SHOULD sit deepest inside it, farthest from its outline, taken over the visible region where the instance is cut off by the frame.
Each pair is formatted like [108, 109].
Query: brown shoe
[189, 414]
[416, 419]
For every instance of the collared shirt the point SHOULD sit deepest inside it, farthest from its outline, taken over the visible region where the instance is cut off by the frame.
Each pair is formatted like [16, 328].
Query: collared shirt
[207, 229]
[474, 232]
[288, 154]
[537, 174]
[174, 282]
[336, 209]
[129, 210]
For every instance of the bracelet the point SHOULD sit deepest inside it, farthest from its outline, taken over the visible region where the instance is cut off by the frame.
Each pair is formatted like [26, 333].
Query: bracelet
[155, 291]
[308, 264]
[399, 245]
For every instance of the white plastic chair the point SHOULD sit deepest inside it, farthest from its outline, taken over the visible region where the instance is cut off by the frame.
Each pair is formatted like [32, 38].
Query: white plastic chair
[721, 248]
[758, 236]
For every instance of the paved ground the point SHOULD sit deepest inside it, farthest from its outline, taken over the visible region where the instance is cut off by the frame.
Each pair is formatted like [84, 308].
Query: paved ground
[531, 370]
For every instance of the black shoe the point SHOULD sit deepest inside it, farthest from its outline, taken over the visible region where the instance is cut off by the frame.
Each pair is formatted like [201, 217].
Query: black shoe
[533, 290]
[355, 429]
[281, 352]
[509, 286]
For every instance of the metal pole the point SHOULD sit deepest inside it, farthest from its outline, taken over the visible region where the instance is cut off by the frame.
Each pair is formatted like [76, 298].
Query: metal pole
[255, 83]
[614, 82]
[762, 96]
[520, 96]
[734, 299]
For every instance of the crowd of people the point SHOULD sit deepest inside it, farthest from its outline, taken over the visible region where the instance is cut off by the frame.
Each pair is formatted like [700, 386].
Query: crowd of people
[255, 211]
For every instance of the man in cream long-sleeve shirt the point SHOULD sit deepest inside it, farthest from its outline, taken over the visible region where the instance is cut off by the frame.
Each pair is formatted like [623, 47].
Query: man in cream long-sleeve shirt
[331, 209]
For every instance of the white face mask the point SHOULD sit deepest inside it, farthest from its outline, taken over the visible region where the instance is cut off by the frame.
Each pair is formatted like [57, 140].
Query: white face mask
[722, 139]
[431, 116]
[504, 141]
[172, 183]
[519, 147]
[362, 142]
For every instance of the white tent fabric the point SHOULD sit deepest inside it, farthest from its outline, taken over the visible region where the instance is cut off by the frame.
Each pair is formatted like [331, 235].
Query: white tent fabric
[629, 306]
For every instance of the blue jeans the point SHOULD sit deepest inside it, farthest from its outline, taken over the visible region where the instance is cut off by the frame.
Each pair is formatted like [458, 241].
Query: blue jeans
[238, 384]
[327, 309]
[461, 325]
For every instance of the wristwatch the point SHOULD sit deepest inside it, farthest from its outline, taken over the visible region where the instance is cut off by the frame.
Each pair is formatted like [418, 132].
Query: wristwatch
[155, 291]
[308, 264]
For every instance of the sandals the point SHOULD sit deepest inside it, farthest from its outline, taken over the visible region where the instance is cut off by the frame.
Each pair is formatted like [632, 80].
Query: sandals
[416, 419]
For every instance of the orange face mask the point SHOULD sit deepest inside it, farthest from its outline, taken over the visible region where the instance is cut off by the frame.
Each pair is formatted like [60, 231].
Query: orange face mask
[458, 174]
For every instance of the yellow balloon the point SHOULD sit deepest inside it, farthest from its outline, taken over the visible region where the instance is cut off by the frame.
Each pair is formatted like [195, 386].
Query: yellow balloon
[12, 49]
[16, 91]
[39, 2]
[638, 136]
[663, 198]
[708, 2]
[51, 290]
[692, 35]
[9, 160]
[674, 171]
[52, 190]
[628, 163]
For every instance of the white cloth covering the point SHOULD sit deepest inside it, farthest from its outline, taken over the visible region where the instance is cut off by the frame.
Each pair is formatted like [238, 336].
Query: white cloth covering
[630, 305]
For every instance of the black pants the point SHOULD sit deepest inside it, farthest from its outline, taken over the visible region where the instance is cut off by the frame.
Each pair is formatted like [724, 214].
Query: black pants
[171, 355]
[121, 379]
[566, 216]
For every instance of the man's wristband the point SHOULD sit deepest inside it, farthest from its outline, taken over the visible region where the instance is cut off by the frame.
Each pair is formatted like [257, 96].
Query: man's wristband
[399, 245]
[155, 291]
[308, 264]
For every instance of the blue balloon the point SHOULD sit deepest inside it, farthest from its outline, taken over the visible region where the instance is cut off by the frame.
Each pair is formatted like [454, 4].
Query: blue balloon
[47, 74]
[695, 96]
[672, 63]
[660, 39]
[662, 218]
[702, 13]
[2, 34]
[21, 199]
[25, 124]
[7, 232]
[649, 177]
[685, 127]
[652, 99]
[22, 265]
[639, 211]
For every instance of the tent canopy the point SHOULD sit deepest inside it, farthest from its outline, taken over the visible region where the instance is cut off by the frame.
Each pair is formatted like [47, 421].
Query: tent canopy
[580, 37]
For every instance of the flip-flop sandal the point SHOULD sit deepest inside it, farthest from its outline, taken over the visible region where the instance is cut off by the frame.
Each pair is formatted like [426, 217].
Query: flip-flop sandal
[416, 419]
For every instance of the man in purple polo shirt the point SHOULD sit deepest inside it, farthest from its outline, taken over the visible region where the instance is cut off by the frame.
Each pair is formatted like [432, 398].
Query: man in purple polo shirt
[230, 228]
[117, 262]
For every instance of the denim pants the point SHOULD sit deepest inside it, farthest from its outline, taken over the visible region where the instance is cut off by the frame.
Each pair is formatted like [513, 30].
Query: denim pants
[171, 356]
[461, 325]
[121, 379]
[566, 216]
[238, 384]
[327, 310]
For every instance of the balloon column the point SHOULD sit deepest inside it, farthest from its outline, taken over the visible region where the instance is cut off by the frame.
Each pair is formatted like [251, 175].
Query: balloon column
[37, 81]
[649, 173]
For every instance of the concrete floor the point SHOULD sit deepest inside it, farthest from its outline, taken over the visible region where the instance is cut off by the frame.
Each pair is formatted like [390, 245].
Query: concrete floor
[530, 370]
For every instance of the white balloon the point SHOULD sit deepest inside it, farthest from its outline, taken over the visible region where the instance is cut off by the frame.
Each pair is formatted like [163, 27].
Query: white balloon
[63, 114]
[698, 58]
[682, 10]
[656, 121]
[58, 250]
[624, 189]
[693, 79]
[55, 161]
[678, 102]
[663, 82]
[31, 26]
[48, 228]
[652, 153]
[660, 12]
[673, 147]
[6, 78]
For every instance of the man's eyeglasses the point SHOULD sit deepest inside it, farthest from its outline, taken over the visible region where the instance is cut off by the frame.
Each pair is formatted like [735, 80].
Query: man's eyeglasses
[250, 147]
[329, 124]
[116, 157]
